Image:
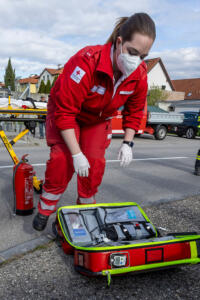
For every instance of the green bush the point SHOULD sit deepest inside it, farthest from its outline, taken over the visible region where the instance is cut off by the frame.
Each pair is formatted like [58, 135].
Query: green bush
[42, 88]
[155, 94]
[48, 87]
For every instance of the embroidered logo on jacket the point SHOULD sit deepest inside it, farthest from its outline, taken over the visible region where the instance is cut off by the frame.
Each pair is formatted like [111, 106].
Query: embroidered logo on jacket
[77, 75]
[98, 89]
[126, 92]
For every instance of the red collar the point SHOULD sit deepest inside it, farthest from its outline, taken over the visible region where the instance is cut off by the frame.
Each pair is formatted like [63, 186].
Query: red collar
[105, 64]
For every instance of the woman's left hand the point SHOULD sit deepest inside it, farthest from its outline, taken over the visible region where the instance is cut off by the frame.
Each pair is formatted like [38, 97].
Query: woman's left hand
[125, 155]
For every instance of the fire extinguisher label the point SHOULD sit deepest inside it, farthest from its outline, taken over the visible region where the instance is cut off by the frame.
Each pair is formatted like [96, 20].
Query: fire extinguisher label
[28, 189]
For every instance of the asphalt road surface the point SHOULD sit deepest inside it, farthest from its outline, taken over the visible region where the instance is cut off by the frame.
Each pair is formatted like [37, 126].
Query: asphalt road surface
[161, 171]
[48, 273]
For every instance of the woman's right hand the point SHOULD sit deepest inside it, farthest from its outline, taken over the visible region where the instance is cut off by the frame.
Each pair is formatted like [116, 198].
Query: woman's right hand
[81, 164]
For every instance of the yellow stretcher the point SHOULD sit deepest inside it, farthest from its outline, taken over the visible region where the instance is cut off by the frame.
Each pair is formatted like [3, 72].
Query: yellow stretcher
[30, 118]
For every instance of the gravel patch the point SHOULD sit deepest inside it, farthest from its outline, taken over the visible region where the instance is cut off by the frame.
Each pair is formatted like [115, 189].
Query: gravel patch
[177, 216]
[48, 273]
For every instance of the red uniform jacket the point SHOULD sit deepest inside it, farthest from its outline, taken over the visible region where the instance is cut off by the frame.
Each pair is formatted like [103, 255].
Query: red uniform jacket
[84, 93]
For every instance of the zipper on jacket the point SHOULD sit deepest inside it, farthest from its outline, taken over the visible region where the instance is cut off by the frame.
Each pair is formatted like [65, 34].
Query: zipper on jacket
[120, 80]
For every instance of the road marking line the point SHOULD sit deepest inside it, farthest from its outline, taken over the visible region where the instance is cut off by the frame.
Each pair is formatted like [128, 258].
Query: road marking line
[153, 158]
[114, 160]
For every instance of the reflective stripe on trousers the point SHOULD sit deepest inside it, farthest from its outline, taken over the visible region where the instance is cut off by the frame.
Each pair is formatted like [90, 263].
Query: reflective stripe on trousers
[50, 196]
[47, 207]
[87, 200]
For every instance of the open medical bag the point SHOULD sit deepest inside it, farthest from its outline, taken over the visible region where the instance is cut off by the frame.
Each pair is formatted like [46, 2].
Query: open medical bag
[115, 238]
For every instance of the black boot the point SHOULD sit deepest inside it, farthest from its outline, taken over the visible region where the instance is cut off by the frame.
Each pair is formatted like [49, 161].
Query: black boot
[40, 222]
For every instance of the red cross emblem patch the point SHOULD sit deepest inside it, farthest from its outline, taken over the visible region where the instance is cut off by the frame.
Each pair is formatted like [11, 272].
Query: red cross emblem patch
[77, 74]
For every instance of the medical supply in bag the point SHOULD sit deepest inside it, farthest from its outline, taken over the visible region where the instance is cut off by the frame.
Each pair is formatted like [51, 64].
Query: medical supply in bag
[116, 238]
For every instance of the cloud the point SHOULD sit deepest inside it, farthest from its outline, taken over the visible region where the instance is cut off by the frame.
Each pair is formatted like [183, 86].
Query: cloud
[43, 33]
[29, 44]
[37, 34]
[31, 52]
[68, 18]
[181, 63]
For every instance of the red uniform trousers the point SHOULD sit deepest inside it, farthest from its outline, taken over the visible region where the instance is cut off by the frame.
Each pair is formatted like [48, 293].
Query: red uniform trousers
[93, 141]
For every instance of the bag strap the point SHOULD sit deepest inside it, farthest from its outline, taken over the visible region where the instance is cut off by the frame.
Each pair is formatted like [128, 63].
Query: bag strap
[148, 228]
[125, 232]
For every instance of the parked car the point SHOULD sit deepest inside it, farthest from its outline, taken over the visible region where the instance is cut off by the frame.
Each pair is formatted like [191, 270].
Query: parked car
[189, 126]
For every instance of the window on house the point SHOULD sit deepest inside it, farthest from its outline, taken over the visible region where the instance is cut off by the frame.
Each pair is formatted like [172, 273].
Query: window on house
[47, 77]
[163, 87]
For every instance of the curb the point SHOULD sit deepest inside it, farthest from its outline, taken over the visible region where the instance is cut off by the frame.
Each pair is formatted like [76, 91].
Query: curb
[24, 248]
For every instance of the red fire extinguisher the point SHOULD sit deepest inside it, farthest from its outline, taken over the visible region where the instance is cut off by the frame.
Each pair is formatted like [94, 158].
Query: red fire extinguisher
[23, 187]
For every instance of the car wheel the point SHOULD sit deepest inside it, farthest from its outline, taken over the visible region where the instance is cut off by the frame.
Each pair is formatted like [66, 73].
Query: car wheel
[190, 133]
[160, 133]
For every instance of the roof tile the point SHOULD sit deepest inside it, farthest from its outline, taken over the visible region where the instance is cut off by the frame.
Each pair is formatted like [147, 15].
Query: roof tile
[191, 87]
[54, 71]
[151, 63]
[33, 79]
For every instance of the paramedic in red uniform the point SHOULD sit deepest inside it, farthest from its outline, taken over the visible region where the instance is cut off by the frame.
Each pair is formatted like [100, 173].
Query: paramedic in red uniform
[95, 82]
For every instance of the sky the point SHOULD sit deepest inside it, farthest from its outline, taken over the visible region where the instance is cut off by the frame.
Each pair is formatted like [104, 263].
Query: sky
[40, 34]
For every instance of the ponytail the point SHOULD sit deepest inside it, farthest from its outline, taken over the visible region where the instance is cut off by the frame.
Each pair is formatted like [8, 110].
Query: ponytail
[127, 26]
[113, 37]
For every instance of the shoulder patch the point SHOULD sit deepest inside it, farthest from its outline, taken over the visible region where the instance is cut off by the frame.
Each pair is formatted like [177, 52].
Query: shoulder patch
[77, 74]
[89, 53]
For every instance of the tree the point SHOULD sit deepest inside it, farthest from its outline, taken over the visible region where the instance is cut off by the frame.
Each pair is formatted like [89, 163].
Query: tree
[55, 78]
[42, 88]
[9, 77]
[48, 87]
[155, 94]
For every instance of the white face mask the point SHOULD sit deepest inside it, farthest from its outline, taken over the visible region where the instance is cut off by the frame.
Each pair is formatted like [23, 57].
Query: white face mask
[128, 63]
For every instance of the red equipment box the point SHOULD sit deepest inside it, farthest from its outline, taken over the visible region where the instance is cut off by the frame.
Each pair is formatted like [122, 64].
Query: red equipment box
[109, 239]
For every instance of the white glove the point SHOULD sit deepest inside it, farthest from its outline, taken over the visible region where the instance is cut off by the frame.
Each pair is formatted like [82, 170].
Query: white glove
[81, 164]
[125, 155]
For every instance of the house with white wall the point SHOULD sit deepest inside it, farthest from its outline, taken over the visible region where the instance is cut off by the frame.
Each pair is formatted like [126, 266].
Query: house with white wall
[157, 74]
[31, 82]
[49, 74]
